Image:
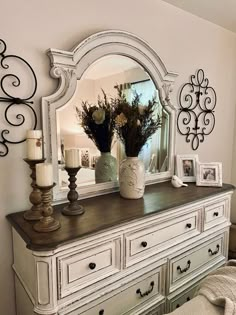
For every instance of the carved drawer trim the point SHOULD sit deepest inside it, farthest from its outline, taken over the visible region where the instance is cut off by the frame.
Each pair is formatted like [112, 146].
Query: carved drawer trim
[156, 238]
[82, 268]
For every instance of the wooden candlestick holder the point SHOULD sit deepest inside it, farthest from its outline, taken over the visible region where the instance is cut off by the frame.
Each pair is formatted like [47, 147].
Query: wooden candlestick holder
[35, 197]
[47, 223]
[73, 208]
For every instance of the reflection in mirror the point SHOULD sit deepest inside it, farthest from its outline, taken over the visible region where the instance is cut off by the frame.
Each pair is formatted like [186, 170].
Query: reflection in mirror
[109, 73]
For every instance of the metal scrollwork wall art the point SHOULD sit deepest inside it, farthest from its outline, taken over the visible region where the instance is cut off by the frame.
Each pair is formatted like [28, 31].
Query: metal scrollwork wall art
[8, 84]
[197, 102]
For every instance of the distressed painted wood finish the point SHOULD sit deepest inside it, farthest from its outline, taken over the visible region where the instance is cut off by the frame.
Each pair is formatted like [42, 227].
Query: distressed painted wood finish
[139, 257]
[107, 211]
[69, 67]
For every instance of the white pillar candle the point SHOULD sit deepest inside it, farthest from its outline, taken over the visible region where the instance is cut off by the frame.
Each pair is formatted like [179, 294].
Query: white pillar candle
[72, 158]
[44, 174]
[34, 144]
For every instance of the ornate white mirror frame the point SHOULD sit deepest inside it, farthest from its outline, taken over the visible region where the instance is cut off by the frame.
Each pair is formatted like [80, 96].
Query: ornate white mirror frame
[69, 66]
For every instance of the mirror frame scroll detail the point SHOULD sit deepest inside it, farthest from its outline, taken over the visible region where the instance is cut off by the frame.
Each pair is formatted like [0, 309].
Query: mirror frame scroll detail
[69, 66]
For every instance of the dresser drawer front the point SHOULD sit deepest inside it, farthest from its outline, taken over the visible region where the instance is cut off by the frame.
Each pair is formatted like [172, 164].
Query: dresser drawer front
[215, 214]
[180, 299]
[158, 311]
[143, 242]
[129, 298]
[126, 300]
[186, 263]
[80, 269]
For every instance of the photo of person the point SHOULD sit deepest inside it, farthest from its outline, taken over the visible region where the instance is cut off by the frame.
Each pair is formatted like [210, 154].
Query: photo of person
[85, 157]
[209, 174]
[188, 168]
[94, 159]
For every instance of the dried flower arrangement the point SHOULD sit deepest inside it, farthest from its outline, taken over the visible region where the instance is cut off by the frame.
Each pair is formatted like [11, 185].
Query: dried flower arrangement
[98, 122]
[135, 123]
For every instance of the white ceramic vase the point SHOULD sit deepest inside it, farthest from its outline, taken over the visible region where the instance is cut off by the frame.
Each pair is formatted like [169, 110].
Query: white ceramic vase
[132, 178]
[106, 168]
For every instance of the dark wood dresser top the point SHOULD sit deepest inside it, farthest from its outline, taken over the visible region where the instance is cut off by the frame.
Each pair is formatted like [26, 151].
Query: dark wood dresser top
[110, 210]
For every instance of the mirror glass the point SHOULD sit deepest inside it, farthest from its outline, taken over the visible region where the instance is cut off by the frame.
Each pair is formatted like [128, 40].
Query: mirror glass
[108, 73]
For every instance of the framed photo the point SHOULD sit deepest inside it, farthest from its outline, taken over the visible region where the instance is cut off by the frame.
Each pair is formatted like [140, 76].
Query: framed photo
[153, 163]
[94, 159]
[209, 174]
[84, 157]
[186, 167]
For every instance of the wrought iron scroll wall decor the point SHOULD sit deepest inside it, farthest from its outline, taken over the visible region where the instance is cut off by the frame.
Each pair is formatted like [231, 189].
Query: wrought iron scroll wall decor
[197, 102]
[11, 100]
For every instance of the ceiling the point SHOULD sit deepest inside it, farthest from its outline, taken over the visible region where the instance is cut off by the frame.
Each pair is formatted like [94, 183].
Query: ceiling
[109, 65]
[221, 12]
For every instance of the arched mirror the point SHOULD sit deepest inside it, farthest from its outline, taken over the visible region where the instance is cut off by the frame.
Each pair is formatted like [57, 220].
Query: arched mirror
[106, 62]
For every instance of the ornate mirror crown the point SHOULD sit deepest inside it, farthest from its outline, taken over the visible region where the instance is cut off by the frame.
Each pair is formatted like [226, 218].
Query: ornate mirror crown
[104, 61]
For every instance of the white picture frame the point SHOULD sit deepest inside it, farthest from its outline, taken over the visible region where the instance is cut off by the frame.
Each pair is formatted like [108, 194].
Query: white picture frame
[209, 174]
[186, 167]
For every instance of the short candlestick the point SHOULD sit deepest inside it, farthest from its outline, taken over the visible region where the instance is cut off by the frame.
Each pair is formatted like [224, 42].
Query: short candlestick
[47, 223]
[73, 208]
[35, 213]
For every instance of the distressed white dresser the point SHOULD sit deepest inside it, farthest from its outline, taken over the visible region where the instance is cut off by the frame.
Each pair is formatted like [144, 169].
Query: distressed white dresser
[122, 256]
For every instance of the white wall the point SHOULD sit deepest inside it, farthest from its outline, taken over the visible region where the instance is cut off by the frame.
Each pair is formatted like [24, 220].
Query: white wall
[184, 42]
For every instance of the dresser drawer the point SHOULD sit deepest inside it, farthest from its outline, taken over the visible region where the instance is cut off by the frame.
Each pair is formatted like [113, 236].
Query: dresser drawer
[141, 244]
[130, 298]
[159, 310]
[186, 264]
[180, 299]
[80, 269]
[215, 214]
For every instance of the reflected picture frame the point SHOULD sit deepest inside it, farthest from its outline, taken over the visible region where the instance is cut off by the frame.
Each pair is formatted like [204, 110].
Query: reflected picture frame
[209, 174]
[186, 167]
[94, 159]
[84, 157]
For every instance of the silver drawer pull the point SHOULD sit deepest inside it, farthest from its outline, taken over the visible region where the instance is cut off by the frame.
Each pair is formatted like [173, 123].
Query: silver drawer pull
[92, 266]
[188, 225]
[185, 269]
[101, 312]
[147, 292]
[144, 244]
[215, 251]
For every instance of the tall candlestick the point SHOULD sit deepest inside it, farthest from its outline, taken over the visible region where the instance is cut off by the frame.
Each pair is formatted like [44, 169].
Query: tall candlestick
[73, 208]
[72, 158]
[44, 174]
[34, 144]
[47, 223]
[35, 213]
